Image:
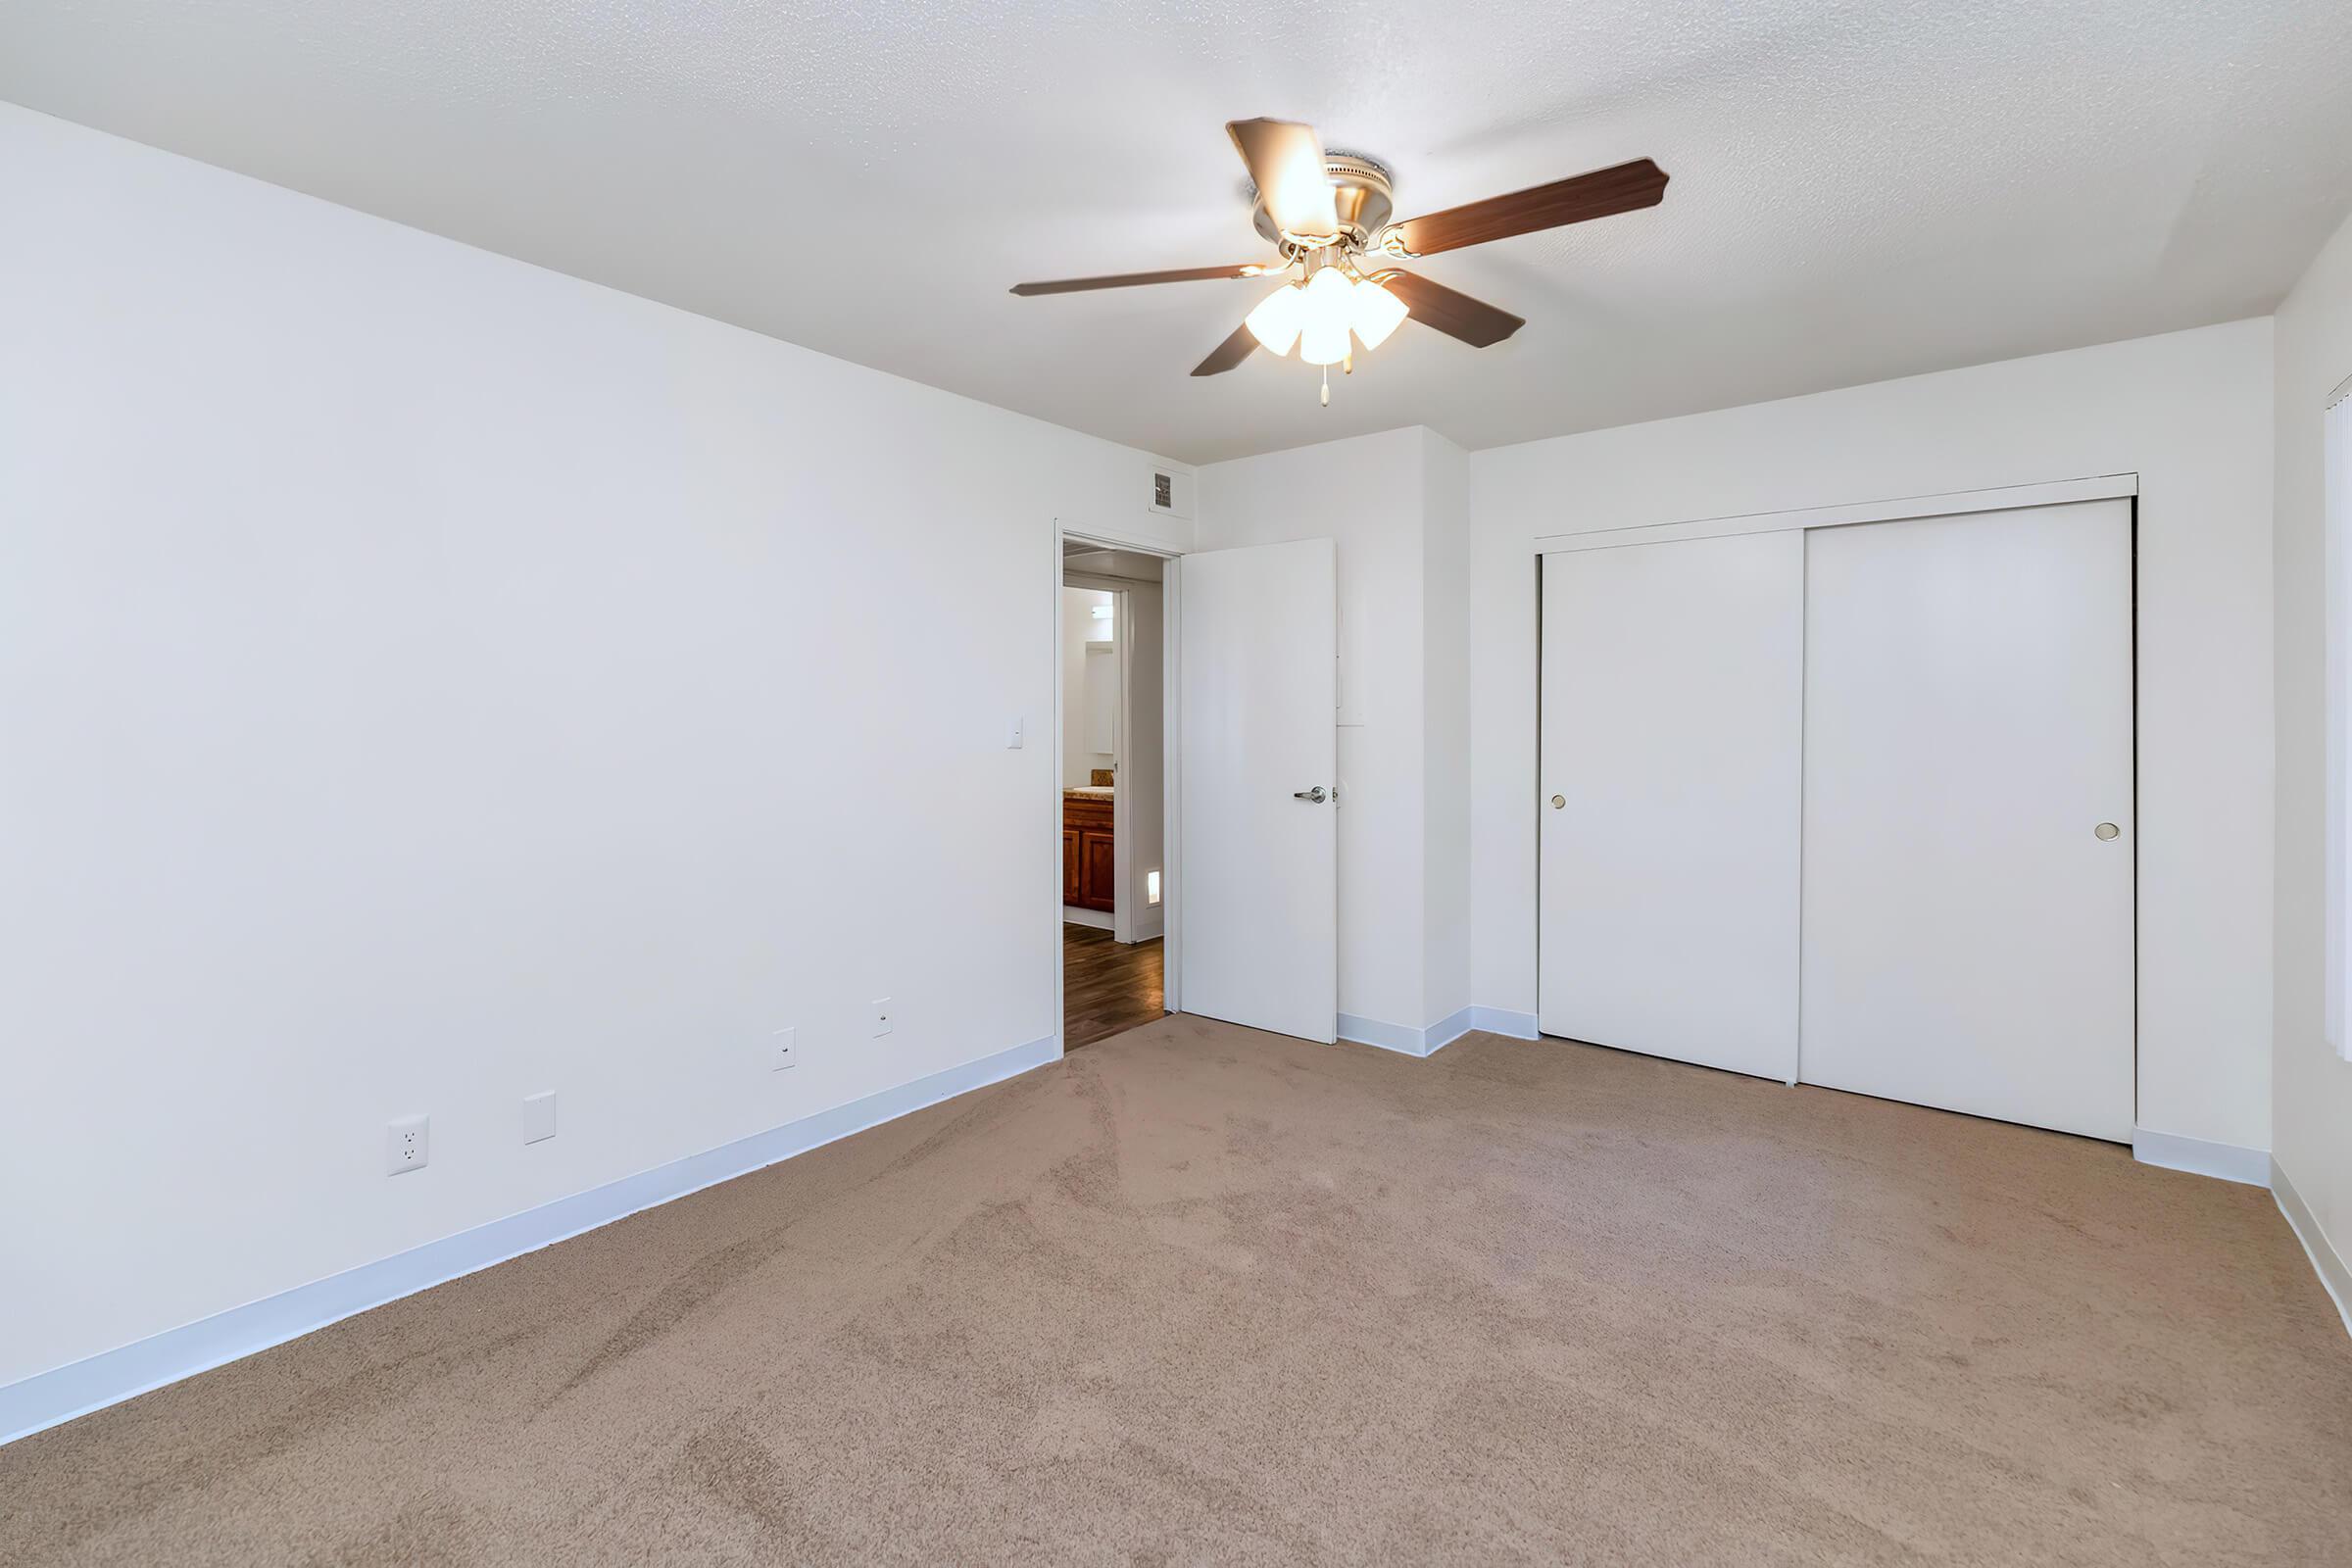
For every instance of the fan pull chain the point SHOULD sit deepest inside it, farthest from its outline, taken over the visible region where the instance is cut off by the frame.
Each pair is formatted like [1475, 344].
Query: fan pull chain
[1327, 386]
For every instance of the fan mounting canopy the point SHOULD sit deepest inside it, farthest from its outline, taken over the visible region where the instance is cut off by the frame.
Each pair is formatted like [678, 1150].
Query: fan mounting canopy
[1359, 187]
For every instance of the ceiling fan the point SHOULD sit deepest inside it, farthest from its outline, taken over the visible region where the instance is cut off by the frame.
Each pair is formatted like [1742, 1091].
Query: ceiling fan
[1328, 214]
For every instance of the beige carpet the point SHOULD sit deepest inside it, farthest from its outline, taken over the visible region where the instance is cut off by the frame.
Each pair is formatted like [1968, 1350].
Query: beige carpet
[1198, 1294]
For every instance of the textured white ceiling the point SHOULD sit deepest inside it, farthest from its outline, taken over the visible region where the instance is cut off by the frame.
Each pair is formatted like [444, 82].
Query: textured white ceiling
[1862, 189]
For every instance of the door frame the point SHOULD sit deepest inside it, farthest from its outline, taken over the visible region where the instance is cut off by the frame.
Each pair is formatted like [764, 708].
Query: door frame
[2006, 498]
[1122, 643]
[1172, 877]
[1948, 504]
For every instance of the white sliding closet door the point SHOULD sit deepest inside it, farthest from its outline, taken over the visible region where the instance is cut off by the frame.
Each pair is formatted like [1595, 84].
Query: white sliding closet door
[1968, 930]
[1673, 675]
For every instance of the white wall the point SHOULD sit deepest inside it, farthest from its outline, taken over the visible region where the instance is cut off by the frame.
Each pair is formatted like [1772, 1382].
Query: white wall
[1446, 613]
[2311, 1091]
[426, 680]
[1366, 495]
[1079, 627]
[2190, 413]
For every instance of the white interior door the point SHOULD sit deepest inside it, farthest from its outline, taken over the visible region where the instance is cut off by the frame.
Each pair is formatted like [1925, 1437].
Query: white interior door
[1968, 931]
[1255, 688]
[1673, 675]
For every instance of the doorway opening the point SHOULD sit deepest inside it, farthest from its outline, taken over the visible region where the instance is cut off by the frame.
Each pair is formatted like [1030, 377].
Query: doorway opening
[1110, 777]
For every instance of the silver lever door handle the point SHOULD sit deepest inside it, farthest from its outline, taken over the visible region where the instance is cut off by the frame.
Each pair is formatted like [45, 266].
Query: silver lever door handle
[1314, 795]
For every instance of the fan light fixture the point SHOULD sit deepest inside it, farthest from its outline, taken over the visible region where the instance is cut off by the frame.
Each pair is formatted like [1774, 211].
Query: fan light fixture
[1323, 316]
[1377, 313]
[1275, 321]
[1320, 313]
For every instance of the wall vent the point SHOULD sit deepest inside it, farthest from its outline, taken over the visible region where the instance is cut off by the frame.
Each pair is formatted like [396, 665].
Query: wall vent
[1171, 494]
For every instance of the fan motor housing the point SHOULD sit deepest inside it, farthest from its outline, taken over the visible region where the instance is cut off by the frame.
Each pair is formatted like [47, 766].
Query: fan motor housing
[1362, 190]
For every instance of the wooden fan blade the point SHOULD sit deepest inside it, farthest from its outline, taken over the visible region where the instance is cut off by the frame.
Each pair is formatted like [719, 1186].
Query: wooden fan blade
[1227, 354]
[1184, 275]
[1456, 315]
[1625, 188]
[1286, 164]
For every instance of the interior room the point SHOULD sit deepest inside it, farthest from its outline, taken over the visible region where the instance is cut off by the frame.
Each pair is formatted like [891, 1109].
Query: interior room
[1089, 747]
[1689, 664]
[1114, 882]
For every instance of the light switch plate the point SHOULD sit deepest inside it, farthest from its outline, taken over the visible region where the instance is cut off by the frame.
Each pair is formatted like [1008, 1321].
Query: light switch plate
[779, 1049]
[407, 1145]
[882, 1010]
[539, 1116]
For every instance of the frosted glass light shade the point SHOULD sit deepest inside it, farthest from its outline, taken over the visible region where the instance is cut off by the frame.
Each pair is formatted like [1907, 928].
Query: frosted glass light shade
[1275, 321]
[1377, 313]
[1324, 343]
[1327, 307]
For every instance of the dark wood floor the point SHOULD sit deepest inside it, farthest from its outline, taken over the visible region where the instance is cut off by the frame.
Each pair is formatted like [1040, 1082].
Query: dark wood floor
[1107, 989]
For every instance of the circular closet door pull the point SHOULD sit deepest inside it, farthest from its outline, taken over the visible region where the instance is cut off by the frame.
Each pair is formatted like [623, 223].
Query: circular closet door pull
[1559, 801]
[2106, 830]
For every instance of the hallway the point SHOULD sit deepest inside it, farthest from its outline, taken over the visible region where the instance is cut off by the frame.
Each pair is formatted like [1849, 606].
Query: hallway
[1107, 988]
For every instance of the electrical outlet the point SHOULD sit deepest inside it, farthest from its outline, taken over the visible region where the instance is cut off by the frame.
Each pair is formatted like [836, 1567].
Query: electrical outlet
[539, 1116]
[779, 1051]
[408, 1144]
[881, 1017]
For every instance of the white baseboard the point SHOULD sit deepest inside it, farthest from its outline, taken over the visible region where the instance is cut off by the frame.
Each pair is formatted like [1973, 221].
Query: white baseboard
[48, 1398]
[1395, 1036]
[1446, 1030]
[2324, 1258]
[1404, 1037]
[1503, 1021]
[1099, 919]
[1409, 1041]
[2174, 1152]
